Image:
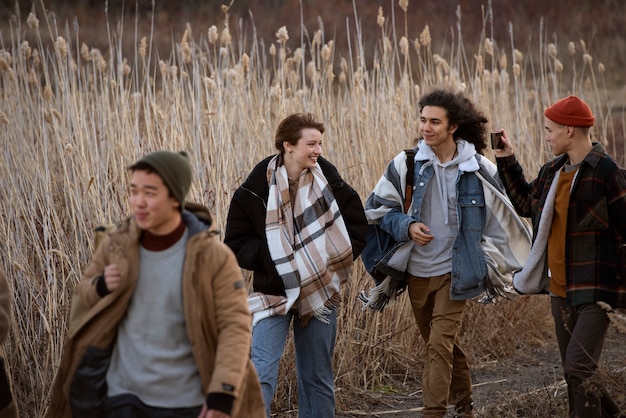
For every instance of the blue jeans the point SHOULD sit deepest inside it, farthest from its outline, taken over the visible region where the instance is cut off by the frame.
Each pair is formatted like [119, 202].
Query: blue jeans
[314, 353]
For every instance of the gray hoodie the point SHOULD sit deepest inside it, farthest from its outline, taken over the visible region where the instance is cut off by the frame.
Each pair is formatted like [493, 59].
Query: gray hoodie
[439, 209]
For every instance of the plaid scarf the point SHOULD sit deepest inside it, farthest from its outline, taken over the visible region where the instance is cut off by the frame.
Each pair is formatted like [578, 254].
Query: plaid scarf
[308, 242]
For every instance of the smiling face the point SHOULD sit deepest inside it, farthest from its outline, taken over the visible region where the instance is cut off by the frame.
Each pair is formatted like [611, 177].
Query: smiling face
[304, 153]
[435, 128]
[557, 137]
[155, 210]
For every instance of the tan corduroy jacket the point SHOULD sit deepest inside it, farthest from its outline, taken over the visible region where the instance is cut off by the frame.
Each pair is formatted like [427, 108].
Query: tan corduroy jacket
[215, 306]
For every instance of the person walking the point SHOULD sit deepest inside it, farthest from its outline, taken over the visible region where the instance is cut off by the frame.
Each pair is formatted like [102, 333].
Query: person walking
[160, 326]
[461, 238]
[577, 205]
[298, 226]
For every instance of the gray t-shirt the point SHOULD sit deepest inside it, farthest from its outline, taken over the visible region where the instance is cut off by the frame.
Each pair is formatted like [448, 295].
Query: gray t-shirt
[152, 358]
[438, 212]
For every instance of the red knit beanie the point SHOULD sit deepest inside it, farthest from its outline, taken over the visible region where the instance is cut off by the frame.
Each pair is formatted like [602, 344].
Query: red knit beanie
[570, 111]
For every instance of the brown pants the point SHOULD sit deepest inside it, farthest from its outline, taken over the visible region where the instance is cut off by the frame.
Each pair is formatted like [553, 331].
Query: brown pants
[446, 373]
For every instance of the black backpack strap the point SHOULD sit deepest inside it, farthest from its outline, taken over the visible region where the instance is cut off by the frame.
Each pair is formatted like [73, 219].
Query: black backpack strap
[410, 175]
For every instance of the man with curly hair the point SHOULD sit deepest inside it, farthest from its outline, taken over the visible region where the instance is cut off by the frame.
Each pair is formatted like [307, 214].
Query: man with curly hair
[461, 238]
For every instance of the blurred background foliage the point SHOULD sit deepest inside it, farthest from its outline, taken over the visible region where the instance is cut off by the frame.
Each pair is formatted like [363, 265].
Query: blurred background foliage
[599, 23]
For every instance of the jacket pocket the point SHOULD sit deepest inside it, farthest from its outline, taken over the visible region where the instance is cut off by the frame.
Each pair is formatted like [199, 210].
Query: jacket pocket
[592, 214]
[88, 390]
[472, 206]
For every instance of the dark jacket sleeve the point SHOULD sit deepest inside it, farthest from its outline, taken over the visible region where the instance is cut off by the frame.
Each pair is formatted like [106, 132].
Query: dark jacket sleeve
[520, 192]
[353, 214]
[245, 235]
[242, 235]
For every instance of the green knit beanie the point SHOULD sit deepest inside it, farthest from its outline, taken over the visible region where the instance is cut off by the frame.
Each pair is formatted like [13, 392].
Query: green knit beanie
[173, 167]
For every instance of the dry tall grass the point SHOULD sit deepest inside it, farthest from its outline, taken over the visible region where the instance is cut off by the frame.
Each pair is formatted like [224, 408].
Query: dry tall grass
[73, 117]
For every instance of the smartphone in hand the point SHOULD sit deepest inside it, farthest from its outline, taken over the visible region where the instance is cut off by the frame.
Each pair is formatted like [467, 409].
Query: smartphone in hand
[496, 140]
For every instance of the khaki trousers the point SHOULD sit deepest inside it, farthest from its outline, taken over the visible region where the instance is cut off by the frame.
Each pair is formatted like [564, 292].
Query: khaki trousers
[446, 373]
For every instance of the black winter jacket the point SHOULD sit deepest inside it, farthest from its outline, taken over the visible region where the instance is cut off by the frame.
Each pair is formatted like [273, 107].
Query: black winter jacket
[245, 224]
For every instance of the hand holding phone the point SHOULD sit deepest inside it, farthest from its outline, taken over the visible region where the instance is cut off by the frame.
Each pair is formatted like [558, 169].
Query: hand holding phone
[496, 140]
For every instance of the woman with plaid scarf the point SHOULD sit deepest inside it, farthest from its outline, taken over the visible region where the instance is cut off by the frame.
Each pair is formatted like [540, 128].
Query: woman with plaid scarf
[298, 226]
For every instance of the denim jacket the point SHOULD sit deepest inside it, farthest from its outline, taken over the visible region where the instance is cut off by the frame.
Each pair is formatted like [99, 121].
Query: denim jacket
[469, 269]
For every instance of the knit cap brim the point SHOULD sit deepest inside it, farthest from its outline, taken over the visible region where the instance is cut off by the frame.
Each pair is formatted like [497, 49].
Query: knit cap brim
[174, 168]
[570, 111]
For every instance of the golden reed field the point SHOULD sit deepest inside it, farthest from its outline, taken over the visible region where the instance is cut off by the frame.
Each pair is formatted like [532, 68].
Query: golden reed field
[81, 99]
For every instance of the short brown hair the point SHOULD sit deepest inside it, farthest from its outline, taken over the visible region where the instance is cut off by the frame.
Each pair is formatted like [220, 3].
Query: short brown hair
[290, 129]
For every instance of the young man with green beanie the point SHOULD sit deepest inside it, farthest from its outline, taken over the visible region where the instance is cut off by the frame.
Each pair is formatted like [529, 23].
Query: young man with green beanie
[577, 205]
[164, 328]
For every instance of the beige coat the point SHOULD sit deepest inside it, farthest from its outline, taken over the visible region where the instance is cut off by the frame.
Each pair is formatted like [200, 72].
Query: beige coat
[215, 306]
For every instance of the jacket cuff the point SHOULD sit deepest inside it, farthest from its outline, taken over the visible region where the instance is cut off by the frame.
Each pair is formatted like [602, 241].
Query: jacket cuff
[404, 228]
[220, 401]
[508, 161]
[101, 286]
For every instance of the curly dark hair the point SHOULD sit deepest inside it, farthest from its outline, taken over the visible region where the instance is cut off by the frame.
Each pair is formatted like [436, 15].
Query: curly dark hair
[470, 122]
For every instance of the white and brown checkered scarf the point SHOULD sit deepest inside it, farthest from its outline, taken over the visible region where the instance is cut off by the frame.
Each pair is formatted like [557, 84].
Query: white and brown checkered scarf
[309, 244]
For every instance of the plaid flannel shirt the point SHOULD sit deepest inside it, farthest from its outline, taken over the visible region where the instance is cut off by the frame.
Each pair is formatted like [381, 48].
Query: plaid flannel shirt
[596, 222]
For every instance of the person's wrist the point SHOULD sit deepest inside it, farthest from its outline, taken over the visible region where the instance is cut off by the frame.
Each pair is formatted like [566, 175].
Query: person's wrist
[101, 286]
[220, 402]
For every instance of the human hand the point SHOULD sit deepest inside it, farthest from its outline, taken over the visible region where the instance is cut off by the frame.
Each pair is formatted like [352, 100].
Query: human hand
[112, 277]
[507, 147]
[420, 233]
[212, 413]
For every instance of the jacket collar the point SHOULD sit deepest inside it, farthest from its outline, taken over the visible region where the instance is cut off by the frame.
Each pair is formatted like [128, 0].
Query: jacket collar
[593, 158]
[257, 179]
[196, 216]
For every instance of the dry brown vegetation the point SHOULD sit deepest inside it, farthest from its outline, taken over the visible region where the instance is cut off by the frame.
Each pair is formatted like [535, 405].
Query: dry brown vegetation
[74, 115]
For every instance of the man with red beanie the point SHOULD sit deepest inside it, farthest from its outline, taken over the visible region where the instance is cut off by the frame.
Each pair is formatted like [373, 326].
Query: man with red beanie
[577, 205]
